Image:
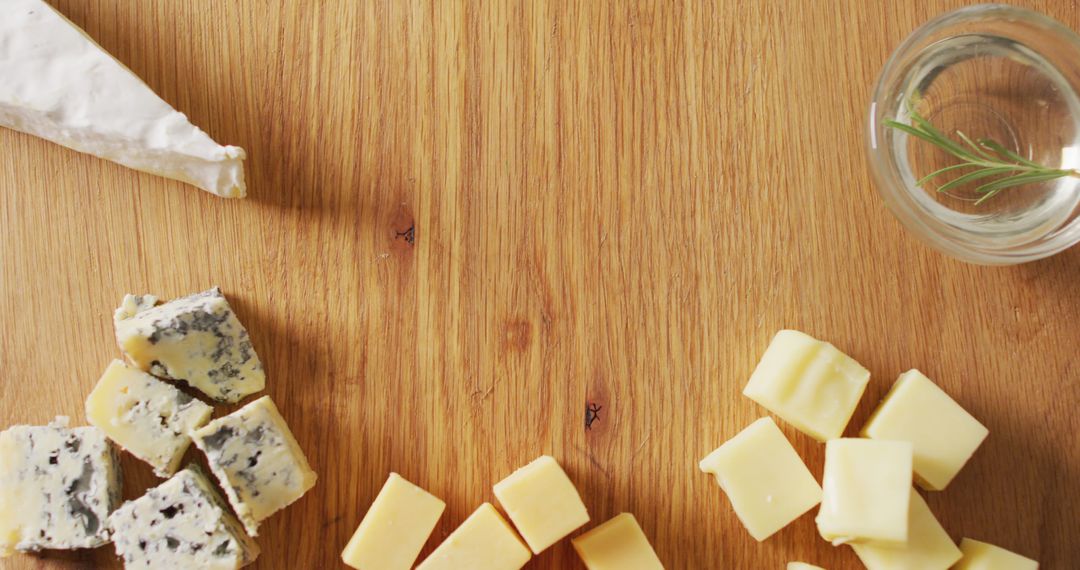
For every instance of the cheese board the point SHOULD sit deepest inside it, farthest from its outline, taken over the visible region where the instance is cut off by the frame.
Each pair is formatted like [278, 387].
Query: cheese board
[478, 234]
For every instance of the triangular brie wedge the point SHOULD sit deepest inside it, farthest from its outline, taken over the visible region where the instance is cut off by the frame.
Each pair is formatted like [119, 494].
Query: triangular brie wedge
[58, 84]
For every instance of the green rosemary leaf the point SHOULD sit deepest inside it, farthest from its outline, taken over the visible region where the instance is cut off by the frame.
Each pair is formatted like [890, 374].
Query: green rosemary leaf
[941, 139]
[978, 150]
[945, 145]
[973, 176]
[987, 156]
[987, 196]
[1020, 180]
[911, 131]
[996, 147]
[939, 172]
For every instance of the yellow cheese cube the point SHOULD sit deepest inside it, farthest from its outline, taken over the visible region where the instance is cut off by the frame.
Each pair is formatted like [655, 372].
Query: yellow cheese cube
[395, 528]
[928, 546]
[865, 490]
[983, 556]
[542, 503]
[618, 544]
[802, 566]
[808, 383]
[944, 434]
[484, 541]
[767, 482]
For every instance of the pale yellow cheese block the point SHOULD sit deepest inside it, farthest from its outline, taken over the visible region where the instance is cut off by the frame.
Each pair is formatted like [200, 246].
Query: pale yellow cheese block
[944, 434]
[395, 528]
[802, 566]
[618, 544]
[149, 418]
[865, 490]
[767, 482]
[485, 541]
[808, 383]
[984, 556]
[542, 503]
[928, 546]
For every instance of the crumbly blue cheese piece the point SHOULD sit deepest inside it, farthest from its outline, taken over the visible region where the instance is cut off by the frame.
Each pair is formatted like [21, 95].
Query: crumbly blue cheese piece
[195, 339]
[57, 487]
[149, 418]
[257, 461]
[182, 523]
[60, 85]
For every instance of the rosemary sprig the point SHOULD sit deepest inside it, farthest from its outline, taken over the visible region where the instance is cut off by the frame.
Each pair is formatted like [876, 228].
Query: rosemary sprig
[987, 157]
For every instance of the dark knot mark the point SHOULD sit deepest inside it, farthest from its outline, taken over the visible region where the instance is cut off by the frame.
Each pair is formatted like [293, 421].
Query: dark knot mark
[409, 235]
[592, 414]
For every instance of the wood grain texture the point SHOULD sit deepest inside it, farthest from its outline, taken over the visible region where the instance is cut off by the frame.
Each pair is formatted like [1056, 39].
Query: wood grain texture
[614, 203]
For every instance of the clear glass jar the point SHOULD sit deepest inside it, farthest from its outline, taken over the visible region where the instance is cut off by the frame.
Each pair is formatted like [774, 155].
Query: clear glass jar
[990, 71]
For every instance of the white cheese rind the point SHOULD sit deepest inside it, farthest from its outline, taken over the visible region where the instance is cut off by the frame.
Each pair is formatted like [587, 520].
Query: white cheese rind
[62, 86]
[195, 339]
[182, 523]
[149, 418]
[57, 487]
[256, 459]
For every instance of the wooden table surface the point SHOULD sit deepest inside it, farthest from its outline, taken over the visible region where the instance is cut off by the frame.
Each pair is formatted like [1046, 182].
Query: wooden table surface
[469, 220]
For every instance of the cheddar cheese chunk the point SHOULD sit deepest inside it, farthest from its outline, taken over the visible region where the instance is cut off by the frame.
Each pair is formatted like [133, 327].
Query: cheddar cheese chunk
[944, 435]
[618, 544]
[865, 490]
[808, 383]
[983, 556]
[395, 528]
[484, 541]
[542, 503]
[928, 546]
[767, 482]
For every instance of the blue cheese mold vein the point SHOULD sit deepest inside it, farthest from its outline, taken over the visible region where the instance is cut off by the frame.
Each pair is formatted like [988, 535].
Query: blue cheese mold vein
[182, 523]
[196, 339]
[257, 460]
[59, 486]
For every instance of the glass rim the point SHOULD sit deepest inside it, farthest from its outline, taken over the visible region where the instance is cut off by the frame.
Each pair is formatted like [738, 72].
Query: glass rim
[895, 192]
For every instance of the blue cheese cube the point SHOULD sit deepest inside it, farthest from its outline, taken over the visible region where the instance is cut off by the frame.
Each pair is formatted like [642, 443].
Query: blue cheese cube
[196, 339]
[257, 461]
[149, 418]
[182, 523]
[57, 487]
